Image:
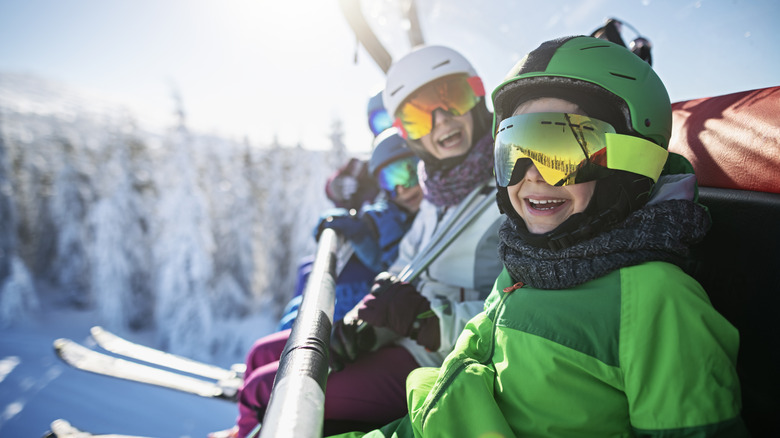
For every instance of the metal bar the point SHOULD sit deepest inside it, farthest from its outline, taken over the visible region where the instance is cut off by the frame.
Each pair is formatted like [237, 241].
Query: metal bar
[297, 404]
[354, 16]
[409, 11]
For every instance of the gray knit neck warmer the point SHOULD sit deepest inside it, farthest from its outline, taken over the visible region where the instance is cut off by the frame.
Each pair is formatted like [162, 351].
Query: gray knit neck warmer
[657, 232]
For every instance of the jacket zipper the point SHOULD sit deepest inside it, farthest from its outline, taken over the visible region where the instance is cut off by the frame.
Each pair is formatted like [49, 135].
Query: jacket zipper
[453, 373]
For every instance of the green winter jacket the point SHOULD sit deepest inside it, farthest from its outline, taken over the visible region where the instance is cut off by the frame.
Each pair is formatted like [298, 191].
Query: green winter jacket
[638, 352]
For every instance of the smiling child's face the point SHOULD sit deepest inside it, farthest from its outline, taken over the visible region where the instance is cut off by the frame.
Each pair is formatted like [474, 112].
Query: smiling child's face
[409, 198]
[543, 207]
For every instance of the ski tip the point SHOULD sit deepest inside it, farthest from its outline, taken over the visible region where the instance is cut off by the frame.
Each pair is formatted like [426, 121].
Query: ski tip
[60, 428]
[60, 343]
[239, 369]
[96, 330]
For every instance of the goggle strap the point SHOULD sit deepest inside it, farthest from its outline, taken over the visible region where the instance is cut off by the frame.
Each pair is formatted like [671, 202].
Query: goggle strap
[476, 85]
[400, 126]
[636, 155]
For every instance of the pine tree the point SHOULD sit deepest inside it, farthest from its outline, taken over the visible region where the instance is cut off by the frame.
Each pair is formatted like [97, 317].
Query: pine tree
[17, 292]
[183, 249]
[119, 247]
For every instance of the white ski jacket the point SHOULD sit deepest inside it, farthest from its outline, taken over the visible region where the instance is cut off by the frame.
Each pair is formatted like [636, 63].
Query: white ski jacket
[460, 278]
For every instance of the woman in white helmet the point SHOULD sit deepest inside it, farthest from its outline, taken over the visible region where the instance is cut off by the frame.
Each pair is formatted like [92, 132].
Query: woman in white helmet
[437, 101]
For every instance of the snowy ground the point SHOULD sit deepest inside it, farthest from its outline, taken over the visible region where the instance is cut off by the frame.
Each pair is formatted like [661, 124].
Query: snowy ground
[36, 388]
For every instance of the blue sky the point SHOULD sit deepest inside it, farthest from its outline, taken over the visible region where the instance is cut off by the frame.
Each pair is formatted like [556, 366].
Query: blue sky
[286, 68]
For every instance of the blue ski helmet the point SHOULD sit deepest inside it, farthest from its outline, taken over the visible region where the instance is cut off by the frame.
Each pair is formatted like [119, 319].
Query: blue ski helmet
[378, 118]
[389, 146]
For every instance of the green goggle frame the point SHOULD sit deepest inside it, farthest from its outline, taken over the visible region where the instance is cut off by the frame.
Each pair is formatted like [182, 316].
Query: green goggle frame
[571, 149]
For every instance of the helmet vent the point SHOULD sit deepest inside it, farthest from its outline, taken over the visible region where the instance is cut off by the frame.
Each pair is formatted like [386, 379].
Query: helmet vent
[623, 76]
[595, 46]
[392, 93]
[441, 64]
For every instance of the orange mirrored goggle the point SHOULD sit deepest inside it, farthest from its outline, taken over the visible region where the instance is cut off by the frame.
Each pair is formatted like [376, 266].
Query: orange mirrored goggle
[456, 94]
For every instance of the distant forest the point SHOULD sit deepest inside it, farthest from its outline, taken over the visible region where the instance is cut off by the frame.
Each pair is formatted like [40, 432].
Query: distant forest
[194, 236]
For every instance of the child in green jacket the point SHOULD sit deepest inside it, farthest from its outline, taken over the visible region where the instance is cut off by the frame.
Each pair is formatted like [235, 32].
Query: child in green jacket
[592, 328]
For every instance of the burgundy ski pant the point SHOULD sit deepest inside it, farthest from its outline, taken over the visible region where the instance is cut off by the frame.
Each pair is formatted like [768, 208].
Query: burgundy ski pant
[372, 389]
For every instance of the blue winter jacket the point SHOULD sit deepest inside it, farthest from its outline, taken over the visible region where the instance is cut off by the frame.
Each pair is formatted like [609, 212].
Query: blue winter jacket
[374, 235]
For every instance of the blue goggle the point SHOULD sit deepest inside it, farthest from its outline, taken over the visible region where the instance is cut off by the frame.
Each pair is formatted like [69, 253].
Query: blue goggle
[398, 173]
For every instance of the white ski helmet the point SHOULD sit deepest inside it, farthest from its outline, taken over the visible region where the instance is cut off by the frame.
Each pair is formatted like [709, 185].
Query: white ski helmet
[419, 67]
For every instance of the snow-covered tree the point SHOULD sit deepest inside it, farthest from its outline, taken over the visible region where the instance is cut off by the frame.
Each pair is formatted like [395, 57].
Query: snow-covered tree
[195, 236]
[118, 245]
[233, 215]
[70, 199]
[17, 292]
[7, 218]
[183, 249]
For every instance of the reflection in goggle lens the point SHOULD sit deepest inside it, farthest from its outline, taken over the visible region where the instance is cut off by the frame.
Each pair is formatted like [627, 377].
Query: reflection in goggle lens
[455, 94]
[398, 173]
[571, 149]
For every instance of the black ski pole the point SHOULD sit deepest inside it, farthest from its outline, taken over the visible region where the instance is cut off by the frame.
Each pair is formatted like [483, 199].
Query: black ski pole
[297, 404]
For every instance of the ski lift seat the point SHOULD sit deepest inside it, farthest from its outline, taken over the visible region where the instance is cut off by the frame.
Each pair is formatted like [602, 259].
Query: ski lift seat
[733, 142]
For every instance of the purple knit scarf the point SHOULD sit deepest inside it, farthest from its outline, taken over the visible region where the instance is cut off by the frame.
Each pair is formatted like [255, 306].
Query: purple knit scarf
[446, 187]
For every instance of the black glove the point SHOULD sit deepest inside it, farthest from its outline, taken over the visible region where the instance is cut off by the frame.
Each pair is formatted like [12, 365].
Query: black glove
[398, 306]
[382, 282]
[351, 336]
[349, 339]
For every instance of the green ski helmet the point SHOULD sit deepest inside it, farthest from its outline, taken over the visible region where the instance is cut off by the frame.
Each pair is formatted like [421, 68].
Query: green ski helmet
[610, 84]
[605, 79]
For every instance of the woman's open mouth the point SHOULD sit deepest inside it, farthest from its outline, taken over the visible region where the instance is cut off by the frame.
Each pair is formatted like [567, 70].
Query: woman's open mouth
[450, 140]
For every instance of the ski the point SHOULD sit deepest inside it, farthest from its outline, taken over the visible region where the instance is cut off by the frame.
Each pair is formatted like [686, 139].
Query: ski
[63, 429]
[118, 345]
[83, 358]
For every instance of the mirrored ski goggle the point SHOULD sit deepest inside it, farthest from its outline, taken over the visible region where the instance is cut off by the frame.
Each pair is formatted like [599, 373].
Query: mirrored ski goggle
[398, 173]
[379, 120]
[571, 149]
[455, 94]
